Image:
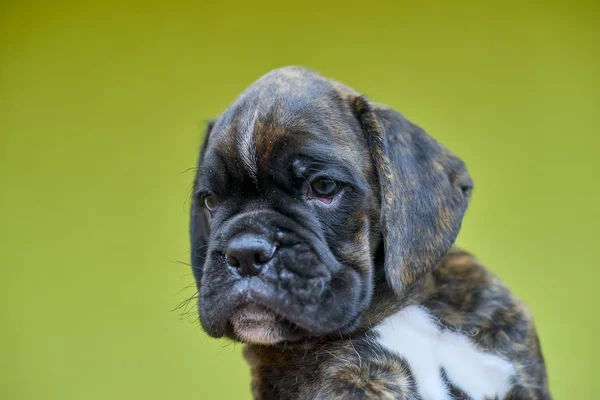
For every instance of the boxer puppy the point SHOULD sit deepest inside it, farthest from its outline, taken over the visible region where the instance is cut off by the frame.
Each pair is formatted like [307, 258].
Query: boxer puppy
[322, 231]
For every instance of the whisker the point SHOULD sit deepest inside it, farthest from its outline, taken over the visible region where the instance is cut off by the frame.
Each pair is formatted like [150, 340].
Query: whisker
[186, 287]
[188, 197]
[186, 308]
[189, 169]
[180, 262]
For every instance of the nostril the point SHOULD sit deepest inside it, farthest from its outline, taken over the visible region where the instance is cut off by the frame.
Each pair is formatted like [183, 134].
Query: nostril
[264, 255]
[231, 260]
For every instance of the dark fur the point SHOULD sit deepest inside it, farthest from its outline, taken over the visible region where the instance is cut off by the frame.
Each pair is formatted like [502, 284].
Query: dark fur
[341, 270]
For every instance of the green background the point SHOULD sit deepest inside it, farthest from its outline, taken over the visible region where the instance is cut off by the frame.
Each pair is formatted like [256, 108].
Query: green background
[102, 108]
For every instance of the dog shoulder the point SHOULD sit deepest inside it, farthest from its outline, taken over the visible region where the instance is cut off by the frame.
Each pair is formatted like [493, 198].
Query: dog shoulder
[467, 299]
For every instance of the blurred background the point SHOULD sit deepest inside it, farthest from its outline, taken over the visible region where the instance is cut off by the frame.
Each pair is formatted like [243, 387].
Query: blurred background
[102, 110]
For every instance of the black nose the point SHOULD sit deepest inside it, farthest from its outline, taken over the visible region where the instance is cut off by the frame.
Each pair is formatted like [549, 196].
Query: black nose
[249, 252]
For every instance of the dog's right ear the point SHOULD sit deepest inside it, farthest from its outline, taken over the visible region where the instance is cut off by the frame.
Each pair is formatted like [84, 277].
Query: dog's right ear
[199, 224]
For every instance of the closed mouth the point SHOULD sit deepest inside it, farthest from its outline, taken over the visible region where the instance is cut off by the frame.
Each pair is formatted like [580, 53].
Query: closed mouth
[252, 314]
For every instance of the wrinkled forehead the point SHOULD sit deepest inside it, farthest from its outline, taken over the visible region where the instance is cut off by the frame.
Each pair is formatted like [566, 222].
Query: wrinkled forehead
[288, 111]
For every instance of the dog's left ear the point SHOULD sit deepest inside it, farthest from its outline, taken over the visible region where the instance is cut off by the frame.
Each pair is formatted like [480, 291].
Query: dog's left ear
[199, 225]
[424, 188]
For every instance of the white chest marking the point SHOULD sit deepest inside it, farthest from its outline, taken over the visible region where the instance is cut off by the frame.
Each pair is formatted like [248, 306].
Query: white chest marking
[413, 334]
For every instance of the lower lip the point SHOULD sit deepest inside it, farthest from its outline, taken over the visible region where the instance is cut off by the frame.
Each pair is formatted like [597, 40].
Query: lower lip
[253, 312]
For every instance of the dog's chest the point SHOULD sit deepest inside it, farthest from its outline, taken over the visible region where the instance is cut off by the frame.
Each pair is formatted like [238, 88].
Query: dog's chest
[430, 352]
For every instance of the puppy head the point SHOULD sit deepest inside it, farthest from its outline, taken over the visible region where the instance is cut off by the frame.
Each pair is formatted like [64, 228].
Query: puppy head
[304, 190]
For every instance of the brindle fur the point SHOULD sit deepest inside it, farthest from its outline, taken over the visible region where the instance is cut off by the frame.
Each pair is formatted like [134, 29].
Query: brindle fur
[395, 243]
[460, 292]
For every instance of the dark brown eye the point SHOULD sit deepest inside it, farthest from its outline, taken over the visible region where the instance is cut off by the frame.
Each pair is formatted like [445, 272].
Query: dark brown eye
[210, 201]
[323, 189]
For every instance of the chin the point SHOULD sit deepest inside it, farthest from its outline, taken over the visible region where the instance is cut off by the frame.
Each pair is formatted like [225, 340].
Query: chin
[257, 325]
[254, 324]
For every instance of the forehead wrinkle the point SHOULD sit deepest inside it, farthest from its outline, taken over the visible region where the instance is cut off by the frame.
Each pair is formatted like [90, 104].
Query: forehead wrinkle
[246, 144]
[288, 102]
[269, 136]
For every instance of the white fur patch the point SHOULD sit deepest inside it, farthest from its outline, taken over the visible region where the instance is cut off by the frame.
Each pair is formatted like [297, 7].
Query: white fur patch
[247, 146]
[413, 334]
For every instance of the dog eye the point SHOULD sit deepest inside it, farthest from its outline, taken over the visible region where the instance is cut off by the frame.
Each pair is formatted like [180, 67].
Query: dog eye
[210, 201]
[323, 189]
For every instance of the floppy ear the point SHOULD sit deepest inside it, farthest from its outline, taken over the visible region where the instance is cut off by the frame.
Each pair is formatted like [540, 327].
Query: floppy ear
[199, 225]
[424, 193]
